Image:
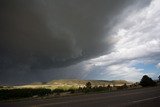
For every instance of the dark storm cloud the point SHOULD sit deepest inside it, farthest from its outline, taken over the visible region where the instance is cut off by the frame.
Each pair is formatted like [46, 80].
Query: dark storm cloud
[42, 34]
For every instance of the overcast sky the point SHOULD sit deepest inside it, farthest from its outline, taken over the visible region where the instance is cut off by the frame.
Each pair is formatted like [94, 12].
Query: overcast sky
[42, 40]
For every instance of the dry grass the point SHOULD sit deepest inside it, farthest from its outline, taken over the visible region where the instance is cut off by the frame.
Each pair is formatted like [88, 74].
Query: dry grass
[74, 84]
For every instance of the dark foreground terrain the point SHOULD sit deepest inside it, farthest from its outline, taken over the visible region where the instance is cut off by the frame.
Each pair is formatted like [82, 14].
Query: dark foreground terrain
[144, 97]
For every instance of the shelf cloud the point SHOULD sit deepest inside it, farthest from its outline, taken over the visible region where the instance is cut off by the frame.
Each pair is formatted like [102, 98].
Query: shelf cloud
[42, 40]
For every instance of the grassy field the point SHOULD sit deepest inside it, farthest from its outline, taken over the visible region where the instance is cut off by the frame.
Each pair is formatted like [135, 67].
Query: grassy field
[67, 84]
[57, 87]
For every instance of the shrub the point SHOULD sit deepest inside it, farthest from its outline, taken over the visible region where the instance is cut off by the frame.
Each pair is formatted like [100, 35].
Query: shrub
[88, 85]
[147, 81]
[22, 93]
[58, 91]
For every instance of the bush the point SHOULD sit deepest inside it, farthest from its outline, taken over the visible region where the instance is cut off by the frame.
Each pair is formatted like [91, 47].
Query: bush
[88, 85]
[72, 90]
[22, 93]
[58, 91]
[147, 81]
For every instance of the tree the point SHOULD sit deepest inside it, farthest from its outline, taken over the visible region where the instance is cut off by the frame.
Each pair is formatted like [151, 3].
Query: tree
[159, 77]
[147, 81]
[124, 86]
[88, 85]
[109, 87]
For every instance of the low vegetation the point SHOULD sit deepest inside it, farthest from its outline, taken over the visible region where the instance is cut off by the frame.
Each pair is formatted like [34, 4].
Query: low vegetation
[147, 81]
[6, 94]
[59, 87]
[48, 89]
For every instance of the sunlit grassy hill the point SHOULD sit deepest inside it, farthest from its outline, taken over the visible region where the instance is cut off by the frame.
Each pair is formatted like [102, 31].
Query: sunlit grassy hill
[83, 82]
[66, 84]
